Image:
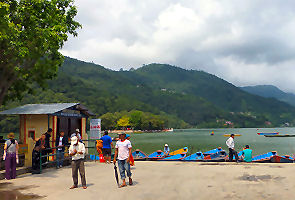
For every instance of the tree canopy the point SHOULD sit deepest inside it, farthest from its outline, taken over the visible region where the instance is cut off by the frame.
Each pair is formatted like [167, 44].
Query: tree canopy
[31, 33]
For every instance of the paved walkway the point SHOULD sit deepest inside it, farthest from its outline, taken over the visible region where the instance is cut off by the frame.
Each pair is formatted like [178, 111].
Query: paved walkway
[164, 180]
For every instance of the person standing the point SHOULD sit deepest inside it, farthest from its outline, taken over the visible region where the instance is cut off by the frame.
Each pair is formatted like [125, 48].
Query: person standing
[38, 149]
[10, 156]
[247, 154]
[123, 152]
[48, 149]
[107, 145]
[77, 151]
[231, 148]
[60, 143]
[166, 149]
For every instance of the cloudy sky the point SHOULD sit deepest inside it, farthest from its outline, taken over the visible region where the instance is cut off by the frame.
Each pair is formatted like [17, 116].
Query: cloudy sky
[244, 42]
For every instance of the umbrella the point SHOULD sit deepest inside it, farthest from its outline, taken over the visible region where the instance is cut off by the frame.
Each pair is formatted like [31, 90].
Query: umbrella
[116, 174]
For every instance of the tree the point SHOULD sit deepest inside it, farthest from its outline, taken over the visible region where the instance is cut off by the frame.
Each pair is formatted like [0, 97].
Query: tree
[123, 122]
[31, 33]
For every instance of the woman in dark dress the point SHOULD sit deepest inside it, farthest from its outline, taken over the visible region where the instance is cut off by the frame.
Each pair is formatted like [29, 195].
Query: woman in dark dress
[39, 147]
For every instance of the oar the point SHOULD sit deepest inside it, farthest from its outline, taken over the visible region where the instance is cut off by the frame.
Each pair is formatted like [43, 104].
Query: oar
[116, 174]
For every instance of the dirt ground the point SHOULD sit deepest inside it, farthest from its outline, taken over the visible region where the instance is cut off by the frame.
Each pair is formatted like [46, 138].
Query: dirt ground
[161, 180]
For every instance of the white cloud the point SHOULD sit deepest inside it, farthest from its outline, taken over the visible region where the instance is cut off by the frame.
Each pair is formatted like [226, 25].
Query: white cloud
[244, 42]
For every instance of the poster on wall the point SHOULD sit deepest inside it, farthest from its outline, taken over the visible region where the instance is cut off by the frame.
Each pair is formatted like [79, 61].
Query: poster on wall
[95, 128]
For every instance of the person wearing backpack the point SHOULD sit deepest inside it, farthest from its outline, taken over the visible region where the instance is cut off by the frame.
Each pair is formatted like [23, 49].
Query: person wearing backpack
[10, 156]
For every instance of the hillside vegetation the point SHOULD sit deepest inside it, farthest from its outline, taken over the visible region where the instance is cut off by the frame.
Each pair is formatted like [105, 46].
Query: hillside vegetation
[182, 98]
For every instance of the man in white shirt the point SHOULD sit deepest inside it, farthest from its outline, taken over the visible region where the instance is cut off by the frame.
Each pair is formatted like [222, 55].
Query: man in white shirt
[123, 152]
[77, 151]
[231, 148]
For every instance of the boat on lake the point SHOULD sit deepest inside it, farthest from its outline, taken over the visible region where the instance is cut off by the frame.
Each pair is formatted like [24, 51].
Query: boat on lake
[219, 156]
[275, 133]
[228, 135]
[212, 151]
[282, 159]
[176, 157]
[139, 155]
[156, 155]
[198, 156]
[179, 151]
[285, 135]
[264, 157]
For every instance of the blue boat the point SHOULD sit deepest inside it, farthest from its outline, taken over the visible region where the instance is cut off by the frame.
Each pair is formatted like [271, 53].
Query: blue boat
[198, 156]
[239, 154]
[218, 156]
[213, 151]
[176, 157]
[264, 157]
[276, 133]
[139, 155]
[156, 155]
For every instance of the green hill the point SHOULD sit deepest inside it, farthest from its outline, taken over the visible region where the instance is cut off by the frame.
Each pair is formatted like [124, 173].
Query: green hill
[270, 91]
[196, 97]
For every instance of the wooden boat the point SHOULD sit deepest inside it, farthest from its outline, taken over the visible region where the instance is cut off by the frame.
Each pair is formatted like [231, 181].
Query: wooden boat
[219, 156]
[286, 135]
[156, 155]
[228, 135]
[213, 151]
[282, 159]
[139, 155]
[179, 151]
[276, 133]
[176, 157]
[198, 156]
[264, 157]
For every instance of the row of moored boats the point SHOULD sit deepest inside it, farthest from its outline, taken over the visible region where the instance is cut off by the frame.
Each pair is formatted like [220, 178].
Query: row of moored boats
[217, 155]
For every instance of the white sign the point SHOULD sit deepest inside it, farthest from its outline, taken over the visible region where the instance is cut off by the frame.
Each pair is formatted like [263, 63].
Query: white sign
[95, 128]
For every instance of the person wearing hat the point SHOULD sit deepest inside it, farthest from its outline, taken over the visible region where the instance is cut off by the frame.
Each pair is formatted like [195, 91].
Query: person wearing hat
[247, 154]
[10, 156]
[123, 152]
[77, 151]
[166, 149]
[77, 134]
[107, 145]
[231, 148]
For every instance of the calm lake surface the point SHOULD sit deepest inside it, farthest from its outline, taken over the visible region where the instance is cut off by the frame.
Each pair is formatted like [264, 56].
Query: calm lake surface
[201, 140]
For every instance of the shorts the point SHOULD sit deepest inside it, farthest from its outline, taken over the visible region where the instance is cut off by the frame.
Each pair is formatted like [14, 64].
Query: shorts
[106, 151]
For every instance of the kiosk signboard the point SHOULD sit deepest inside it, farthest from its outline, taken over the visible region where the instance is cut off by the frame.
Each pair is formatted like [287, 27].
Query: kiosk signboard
[95, 128]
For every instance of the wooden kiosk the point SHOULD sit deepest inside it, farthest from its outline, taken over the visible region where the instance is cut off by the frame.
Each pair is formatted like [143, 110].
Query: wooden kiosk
[35, 119]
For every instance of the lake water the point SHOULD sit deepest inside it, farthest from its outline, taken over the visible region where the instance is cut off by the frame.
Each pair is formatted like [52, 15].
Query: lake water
[201, 140]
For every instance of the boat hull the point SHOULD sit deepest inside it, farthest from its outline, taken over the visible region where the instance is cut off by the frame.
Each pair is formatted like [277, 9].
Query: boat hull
[281, 159]
[139, 156]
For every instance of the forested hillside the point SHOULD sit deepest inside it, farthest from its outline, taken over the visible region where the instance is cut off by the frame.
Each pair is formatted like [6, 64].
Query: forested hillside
[270, 91]
[182, 98]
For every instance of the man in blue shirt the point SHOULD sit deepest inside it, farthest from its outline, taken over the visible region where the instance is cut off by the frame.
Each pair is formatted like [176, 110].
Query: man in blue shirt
[247, 154]
[107, 146]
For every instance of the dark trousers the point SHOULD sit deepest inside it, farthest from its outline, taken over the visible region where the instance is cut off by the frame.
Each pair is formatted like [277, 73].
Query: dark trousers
[10, 166]
[231, 153]
[35, 162]
[78, 164]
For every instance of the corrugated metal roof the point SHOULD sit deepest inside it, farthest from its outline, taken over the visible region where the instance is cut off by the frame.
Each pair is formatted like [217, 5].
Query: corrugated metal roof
[38, 109]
